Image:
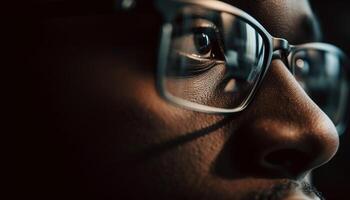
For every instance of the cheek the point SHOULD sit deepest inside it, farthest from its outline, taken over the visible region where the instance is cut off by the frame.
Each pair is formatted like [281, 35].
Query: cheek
[112, 127]
[123, 131]
[169, 144]
[154, 120]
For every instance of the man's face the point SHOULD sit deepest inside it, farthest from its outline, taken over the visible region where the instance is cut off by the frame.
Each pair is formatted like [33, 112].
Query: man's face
[121, 139]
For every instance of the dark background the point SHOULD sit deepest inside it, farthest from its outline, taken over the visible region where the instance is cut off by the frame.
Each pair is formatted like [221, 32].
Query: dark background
[333, 179]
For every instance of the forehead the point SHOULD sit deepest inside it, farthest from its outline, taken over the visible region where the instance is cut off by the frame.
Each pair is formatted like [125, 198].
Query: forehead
[290, 19]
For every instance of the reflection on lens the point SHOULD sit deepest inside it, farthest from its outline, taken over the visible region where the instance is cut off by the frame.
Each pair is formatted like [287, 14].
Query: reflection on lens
[215, 59]
[321, 73]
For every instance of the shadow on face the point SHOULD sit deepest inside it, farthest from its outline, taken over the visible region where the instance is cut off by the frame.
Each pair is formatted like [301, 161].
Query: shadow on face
[112, 135]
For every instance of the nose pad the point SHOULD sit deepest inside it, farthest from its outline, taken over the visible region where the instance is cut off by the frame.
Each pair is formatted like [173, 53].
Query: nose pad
[284, 57]
[283, 133]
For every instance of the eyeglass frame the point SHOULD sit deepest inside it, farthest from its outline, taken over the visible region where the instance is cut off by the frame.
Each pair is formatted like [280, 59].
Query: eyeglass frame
[273, 45]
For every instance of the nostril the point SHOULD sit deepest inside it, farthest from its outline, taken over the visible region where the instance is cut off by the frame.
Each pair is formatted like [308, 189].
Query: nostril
[291, 161]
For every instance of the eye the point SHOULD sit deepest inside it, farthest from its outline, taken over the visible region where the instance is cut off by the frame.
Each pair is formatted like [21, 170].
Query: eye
[199, 43]
[195, 48]
[203, 44]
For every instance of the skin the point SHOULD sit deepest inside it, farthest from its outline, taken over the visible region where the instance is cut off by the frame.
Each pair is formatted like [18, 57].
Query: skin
[116, 137]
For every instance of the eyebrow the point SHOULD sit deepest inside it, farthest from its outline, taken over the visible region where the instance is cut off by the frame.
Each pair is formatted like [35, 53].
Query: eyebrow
[309, 30]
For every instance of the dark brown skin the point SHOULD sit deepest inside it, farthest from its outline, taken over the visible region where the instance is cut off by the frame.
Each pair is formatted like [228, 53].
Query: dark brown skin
[116, 137]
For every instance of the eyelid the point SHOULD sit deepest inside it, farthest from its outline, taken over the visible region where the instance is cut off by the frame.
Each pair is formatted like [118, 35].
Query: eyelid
[184, 25]
[197, 65]
[193, 57]
[204, 23]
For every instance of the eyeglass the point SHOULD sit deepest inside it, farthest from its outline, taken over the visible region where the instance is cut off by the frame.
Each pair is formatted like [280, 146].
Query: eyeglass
[214, 56]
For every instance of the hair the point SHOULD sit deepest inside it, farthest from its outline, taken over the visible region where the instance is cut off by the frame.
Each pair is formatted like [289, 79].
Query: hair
[284, 189]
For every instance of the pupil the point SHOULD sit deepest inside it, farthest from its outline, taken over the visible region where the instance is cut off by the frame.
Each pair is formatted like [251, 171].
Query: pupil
[203, 44]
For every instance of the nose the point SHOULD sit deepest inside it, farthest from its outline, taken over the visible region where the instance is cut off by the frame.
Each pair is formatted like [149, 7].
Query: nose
[283, 133]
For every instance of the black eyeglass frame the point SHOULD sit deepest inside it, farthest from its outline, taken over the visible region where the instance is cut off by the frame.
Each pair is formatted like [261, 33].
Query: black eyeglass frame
[274, 48]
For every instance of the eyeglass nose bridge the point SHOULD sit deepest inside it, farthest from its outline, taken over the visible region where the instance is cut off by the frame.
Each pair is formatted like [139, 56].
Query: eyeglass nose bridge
[281, 44]
[281, 50]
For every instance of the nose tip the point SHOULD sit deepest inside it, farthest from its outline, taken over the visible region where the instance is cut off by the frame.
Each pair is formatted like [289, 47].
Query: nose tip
[283, 150]
[269, 148]
[293, 152]
[284, 133]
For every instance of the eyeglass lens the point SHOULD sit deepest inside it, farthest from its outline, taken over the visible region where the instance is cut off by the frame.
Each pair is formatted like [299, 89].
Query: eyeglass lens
[323, 78]
[215, 58]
